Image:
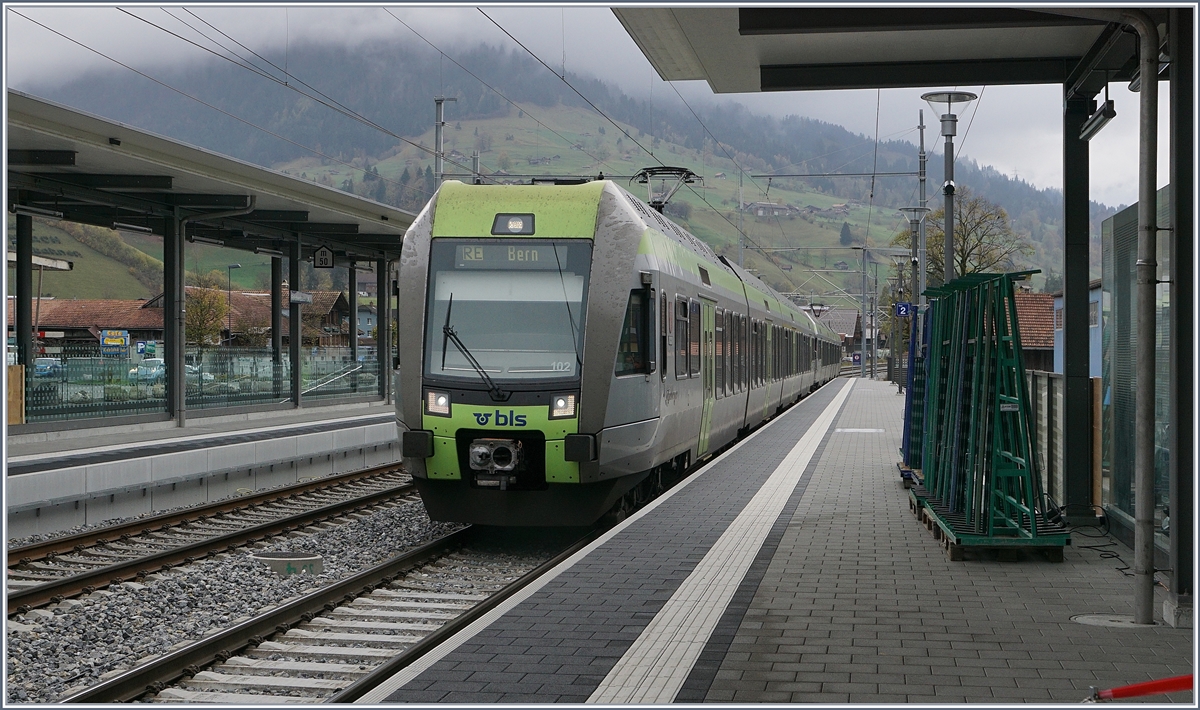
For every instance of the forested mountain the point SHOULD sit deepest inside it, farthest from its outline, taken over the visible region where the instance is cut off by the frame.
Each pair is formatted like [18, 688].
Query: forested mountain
[393, 84]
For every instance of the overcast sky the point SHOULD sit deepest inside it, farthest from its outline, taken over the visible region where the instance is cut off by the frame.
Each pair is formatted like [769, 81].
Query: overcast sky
[1016, 129]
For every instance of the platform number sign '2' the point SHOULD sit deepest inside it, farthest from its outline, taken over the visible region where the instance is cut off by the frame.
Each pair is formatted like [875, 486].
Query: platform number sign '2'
[903, 310]
[323, 258]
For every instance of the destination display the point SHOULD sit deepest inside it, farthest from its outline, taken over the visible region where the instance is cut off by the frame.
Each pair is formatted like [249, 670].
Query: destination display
[524, 257]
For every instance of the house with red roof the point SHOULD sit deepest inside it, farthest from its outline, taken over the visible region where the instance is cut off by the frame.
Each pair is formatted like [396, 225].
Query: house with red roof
[1035, 320]
[325, 322]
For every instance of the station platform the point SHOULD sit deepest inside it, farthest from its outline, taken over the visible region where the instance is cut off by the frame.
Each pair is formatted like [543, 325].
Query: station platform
[57, 480]
[790, 569]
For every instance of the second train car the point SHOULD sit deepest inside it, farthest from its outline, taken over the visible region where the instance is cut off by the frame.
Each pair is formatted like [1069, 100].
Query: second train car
[562, 346]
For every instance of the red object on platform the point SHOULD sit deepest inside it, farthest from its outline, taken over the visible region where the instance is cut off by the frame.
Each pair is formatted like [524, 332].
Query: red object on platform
[1151, 687]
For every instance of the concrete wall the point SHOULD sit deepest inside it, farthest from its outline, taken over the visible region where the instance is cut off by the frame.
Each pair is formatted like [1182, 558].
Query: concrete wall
[49, 501]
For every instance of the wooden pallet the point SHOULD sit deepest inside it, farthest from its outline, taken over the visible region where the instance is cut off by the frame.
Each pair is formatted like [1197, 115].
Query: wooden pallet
[1051, 538]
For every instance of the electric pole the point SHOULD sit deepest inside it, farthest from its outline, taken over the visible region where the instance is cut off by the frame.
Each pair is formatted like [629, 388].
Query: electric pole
[438, 123]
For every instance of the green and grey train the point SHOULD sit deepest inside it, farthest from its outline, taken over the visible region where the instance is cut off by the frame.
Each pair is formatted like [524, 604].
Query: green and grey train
[572, 346]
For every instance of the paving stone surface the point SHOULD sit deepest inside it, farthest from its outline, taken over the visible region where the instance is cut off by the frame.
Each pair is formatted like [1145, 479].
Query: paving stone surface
[596, 609]
[860, 604]
[849, 600]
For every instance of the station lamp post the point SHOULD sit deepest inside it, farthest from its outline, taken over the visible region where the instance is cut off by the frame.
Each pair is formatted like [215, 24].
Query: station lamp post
[936, 99]
[228, 298]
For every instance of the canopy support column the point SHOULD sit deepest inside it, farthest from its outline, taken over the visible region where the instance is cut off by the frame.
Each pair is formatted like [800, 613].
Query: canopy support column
[174, 317]
[1177, 610]
[1077, 430]
[23, 307]
[295, 326]
[277, 326]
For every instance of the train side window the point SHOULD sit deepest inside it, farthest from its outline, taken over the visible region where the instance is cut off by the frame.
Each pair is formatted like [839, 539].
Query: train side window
[664, 325]
[775, 348]
[719, 344]
[755, 354]
[752, 353]
[651, 357]
[730, 324]
[634, 346]
[744, 353]
[791, 356]
[739, 339]
[694, 338]
[681, 338]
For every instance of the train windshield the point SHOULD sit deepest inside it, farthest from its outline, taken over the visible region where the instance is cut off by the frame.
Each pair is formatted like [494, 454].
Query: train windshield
[516, 307]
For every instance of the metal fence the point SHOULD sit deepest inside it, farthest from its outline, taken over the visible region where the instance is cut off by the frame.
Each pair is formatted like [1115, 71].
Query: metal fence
[81, 383]
[332, 372]
[235, 376]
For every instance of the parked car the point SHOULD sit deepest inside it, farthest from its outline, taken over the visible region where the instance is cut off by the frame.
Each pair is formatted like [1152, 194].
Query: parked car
[152, 370]
[193, 372]
[47, 367]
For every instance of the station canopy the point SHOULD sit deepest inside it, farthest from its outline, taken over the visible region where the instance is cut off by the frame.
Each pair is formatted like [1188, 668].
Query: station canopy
[62, 162]
[738, 50]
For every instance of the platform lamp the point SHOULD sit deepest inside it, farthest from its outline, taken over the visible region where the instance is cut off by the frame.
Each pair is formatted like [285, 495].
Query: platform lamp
[950, 99]
[917, 284]
[228, 297]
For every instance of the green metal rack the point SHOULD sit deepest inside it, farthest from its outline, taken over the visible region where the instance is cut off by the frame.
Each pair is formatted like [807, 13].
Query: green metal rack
[981, 485]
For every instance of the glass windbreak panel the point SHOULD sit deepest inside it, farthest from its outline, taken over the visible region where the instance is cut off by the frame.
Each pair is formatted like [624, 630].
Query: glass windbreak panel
[1120, 335]
[234, 376]
[82, 381]
[516, 306]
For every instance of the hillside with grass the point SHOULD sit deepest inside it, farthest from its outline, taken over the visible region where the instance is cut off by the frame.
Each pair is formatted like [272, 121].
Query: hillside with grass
[94, 274]
[552, 131]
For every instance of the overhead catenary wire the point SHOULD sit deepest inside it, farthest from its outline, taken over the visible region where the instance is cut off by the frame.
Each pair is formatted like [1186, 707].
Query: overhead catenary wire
[971, 122]
[320, 97]
[493, 89]
[206, 104]
[598, 110]
[568, 83]
[874, 169]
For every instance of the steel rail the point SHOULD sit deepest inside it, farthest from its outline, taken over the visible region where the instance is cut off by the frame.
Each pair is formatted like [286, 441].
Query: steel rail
[446, 631]
[73, 543]
[153, 676]
[22, 600]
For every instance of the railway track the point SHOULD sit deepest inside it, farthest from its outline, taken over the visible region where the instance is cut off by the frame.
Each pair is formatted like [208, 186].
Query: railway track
[60, 568]
[338, 642]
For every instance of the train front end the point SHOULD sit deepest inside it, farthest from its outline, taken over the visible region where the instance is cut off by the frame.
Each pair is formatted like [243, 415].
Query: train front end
[494, 307]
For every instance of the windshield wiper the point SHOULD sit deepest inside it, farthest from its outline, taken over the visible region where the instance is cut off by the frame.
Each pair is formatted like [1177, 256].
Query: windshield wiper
[449, 334]
[570, 316]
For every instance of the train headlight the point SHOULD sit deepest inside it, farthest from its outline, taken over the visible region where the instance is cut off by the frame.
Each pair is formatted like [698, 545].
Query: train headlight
[437, 403]
[562, 406]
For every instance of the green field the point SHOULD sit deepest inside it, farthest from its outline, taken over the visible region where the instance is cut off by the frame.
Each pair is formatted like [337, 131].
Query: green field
[255, 273]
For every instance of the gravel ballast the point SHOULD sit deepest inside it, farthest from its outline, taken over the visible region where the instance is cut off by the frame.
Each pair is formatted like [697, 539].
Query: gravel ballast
[69, 646]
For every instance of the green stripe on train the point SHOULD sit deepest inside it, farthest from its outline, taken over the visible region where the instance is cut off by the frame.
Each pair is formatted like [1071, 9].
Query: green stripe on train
[558, 210]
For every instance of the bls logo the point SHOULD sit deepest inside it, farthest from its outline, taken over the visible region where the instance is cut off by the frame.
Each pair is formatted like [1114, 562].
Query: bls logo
[502, 419]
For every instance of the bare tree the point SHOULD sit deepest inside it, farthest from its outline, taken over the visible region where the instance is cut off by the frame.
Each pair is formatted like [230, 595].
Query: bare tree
[984, 240]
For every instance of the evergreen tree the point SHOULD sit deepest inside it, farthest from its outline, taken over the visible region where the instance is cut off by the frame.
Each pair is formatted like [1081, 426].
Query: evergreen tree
[847, 237]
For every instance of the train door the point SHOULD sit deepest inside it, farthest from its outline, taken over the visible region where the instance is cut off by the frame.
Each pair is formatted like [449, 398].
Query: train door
[708, 327]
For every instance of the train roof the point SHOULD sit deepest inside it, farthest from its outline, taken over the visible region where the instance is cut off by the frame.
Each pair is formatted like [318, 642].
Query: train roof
[656, 220]
[570, 211]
